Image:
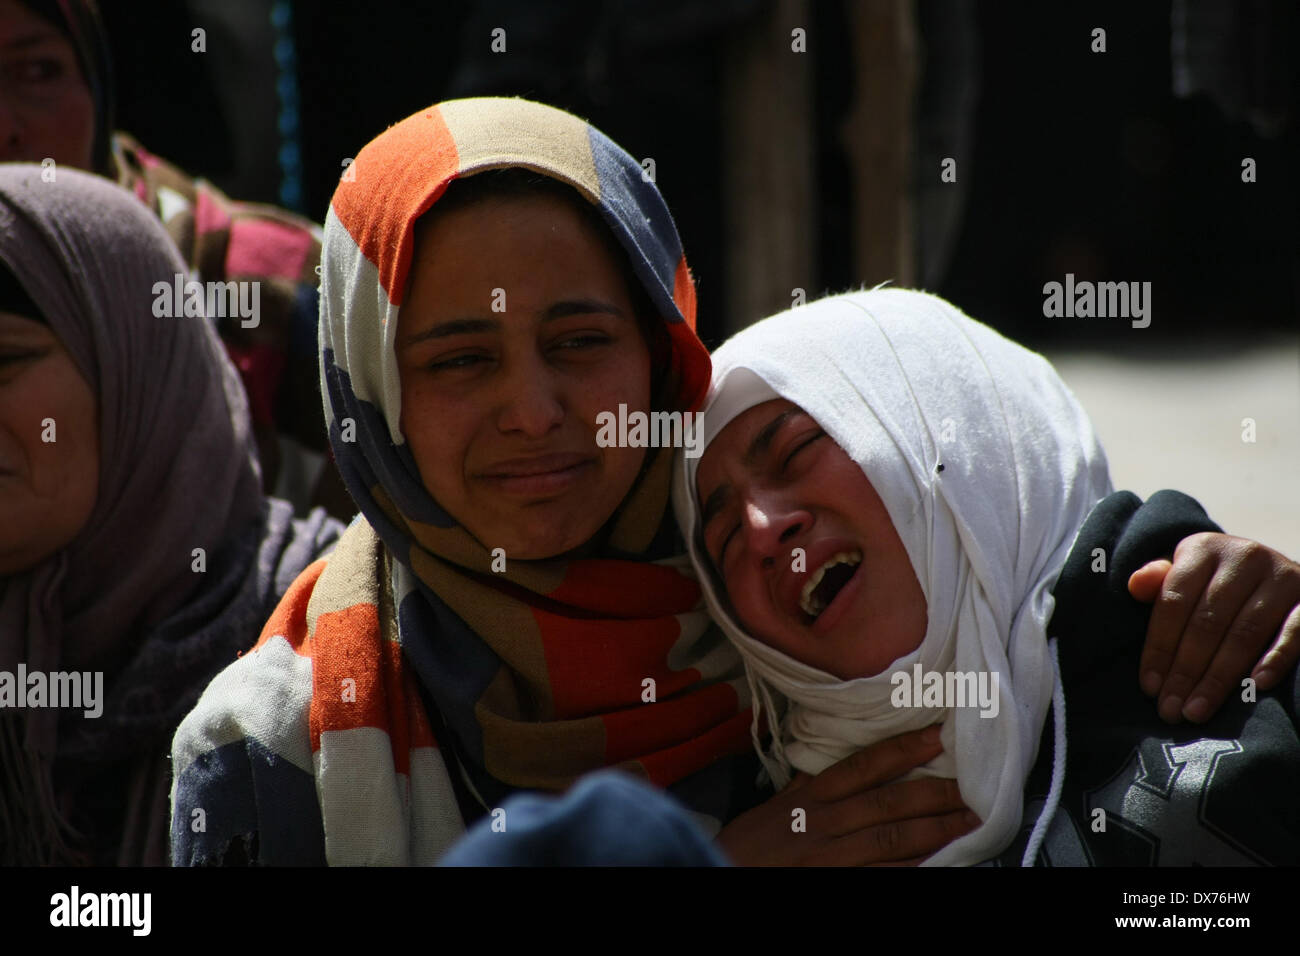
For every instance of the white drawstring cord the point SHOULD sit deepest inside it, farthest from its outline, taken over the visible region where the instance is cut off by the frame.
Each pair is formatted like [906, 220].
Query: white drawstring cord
[774, 765]
[1058, 765]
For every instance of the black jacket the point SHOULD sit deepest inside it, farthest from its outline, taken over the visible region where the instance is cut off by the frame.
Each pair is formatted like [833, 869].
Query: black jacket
[1138, 791]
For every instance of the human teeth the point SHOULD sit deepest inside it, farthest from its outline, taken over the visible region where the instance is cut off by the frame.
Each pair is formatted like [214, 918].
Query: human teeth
[811, 605]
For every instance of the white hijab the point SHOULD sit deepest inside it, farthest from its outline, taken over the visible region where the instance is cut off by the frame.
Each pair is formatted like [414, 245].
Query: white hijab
[904, 383]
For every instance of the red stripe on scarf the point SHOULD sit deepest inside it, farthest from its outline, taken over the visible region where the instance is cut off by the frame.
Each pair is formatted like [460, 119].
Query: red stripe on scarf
[598, 665]
[399, 175]
[649, 728]
[670, 764]
[692, 366]
[605, 587]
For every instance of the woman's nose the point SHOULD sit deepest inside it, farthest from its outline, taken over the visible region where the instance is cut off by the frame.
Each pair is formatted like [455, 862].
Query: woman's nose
[530, 402]
[771, 526]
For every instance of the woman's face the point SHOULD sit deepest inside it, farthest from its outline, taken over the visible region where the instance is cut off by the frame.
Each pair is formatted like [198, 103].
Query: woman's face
[47, 487]
[46, 110]
[773, 482]
[518, 331]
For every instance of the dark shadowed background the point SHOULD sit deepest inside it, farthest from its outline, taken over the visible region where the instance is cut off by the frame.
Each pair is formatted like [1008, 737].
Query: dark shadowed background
[799, 144]
[1067, 160]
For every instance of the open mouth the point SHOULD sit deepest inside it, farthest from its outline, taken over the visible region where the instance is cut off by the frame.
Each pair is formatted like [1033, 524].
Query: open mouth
[826, 583]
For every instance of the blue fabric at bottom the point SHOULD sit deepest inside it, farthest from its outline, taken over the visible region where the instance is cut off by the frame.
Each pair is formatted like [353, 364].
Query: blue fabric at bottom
[607, 818]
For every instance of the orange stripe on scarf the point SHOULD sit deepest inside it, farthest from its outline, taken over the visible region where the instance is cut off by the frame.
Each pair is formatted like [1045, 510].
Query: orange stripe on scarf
[398, 177]
[360, 680]
[289, 619]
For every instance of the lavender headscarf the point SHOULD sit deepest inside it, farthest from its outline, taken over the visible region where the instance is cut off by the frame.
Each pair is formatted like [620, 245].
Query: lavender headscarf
[176, 472]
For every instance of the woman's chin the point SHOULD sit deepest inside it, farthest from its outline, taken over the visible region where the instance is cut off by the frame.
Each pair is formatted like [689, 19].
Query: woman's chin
[541, 541]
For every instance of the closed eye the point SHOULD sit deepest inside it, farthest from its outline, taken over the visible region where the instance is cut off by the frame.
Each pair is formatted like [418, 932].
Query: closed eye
[785, 463]
[13, 358]
[37, 71]
[457, 361]
[722, 552]
[802, 445]
[583, 342]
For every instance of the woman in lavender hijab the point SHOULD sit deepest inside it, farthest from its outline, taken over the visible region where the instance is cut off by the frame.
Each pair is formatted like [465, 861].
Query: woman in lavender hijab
[137, 553]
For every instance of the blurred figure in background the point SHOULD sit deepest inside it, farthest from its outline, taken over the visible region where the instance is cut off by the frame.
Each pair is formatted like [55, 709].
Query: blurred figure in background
[58, 104]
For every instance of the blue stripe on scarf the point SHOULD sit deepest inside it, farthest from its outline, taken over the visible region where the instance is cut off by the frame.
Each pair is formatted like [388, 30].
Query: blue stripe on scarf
[456, 666]
[640, 220]
[243, 789]
[373, 460]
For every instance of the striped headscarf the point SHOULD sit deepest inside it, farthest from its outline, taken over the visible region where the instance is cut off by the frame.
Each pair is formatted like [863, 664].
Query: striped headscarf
[532, 676]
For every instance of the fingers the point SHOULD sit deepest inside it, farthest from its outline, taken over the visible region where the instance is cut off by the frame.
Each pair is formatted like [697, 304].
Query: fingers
[1252, 630]
[877, 764]
[797, 781]
[1282, 656]
[1221, 628]
[1183, 585]
[1144, 583]
[906, 841]
[931, 796]
[860, 822]
[1233, 598]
